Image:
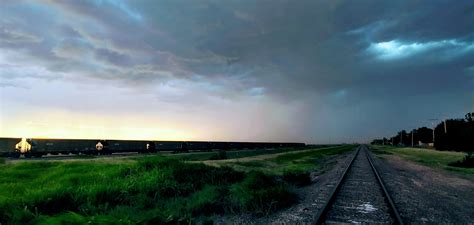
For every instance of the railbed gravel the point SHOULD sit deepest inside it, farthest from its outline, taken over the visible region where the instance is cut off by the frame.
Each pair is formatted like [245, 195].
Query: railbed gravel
[425, 195]
[361, 198]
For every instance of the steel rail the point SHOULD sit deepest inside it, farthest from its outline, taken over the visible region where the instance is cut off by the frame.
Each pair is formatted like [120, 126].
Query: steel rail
[319, 219]
[321, 216]
[394, 211]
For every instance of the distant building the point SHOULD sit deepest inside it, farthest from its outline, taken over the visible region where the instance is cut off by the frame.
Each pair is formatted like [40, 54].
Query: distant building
[425, 145]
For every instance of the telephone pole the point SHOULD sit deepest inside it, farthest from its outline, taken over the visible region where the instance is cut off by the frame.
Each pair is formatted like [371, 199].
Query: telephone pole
[445, 128]
[401, 138]
[433, 125]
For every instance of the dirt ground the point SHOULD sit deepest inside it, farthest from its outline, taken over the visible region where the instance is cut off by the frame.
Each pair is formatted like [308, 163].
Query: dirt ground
[426, 195]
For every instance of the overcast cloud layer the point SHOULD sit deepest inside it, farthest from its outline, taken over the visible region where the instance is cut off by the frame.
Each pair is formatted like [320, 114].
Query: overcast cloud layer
[261, 70]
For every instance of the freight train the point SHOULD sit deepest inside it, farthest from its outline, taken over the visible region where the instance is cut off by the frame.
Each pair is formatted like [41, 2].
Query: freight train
[16, 147]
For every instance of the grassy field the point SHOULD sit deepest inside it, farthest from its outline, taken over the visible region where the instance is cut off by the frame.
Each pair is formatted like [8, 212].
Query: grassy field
[202, 156]
[427, 157]
[147, 190]
[288, 162]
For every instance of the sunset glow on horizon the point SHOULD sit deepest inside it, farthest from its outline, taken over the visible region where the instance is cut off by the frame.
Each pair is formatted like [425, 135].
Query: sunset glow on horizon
[74, 126]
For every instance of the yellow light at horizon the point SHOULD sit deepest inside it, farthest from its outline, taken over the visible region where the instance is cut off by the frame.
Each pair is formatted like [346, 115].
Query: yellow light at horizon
[92, 128]
[128, 133]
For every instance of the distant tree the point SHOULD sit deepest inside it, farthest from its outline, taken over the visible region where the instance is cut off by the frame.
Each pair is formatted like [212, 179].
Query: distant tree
[424, 135]
[458, 135]
[451, 134]
[401, 138]
[411, 137]
[396, 139]
[377, 142]
[468, 136]
[404, 139]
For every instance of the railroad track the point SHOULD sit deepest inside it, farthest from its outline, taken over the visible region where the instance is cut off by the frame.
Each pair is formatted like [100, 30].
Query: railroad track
[360, 196]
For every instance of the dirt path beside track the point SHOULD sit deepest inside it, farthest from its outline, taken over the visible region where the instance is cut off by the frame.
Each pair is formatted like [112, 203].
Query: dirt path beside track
[426, 195]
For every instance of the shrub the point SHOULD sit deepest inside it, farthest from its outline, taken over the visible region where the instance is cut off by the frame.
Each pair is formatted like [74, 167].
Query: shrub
[220, 155]
[260, 194]
[196, 175]
[207, 201]
[74, 218]
[157, 163]
[54, 201]
[466, 162]
[10, 210]
[297, 178]
[108, 194]
[20, 216]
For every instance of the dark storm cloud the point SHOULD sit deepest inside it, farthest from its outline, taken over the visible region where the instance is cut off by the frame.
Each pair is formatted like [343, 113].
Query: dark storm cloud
[294, 47]
[339, 55]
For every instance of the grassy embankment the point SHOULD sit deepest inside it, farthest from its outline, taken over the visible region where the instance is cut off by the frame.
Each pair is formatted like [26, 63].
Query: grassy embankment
[202, 156]
[148, 190]
[278, 164]
[427, 157]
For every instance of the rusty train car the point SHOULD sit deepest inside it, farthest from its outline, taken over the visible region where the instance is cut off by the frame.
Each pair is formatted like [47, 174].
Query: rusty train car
[15, 147]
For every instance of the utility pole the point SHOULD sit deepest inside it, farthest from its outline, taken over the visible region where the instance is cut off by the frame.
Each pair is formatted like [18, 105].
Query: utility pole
[433, 125]
[445, 128]
[401, 138]
[412, 131]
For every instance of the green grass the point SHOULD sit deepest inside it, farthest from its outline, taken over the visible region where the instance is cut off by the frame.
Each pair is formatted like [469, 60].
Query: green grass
[297, 162]
[154, 189]
[148, 190]
[250, 195]
[202, 156]
[427, 157]
[298, 179]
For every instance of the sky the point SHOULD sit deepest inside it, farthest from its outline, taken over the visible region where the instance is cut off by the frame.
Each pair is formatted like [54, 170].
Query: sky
[238, 70]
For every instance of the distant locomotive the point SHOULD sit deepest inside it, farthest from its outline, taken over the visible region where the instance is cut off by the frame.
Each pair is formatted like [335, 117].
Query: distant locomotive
[15, 147]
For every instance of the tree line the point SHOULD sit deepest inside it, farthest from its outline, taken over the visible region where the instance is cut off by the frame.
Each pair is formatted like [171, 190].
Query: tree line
[450, 134]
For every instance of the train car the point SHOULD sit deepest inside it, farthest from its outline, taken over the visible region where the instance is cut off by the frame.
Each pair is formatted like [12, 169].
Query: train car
[219, 145]
[63, 146]
[174, 146]
[236, 145]
[38, 147]
[117, 146]
[198, 145]
[247, 145]
[8, 146]
[273, 145]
